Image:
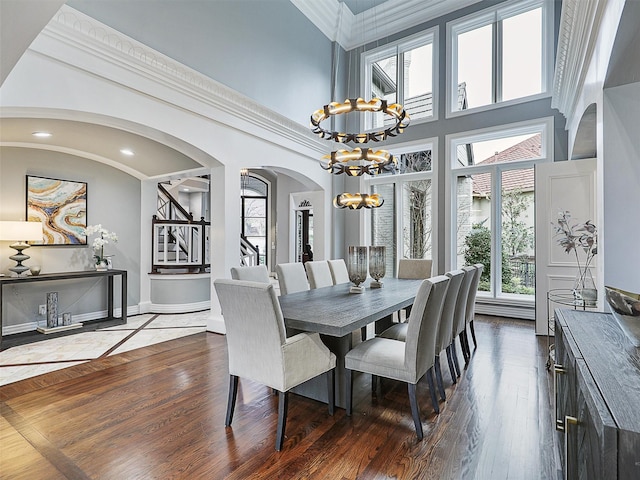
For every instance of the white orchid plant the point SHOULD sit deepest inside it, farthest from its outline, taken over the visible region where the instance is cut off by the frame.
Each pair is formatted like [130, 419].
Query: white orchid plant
[104, 238]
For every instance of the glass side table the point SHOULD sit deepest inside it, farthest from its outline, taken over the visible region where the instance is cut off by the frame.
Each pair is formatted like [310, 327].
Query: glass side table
[562, 296]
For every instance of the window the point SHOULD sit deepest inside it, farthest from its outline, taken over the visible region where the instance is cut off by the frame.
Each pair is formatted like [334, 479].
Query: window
[499, 55]
[255, 226]
[492, 200]
[411, 85]
[403, 224]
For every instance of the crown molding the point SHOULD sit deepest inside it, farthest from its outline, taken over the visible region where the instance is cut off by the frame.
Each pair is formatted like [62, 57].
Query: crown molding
[336, 21]
[579, 27]
[88, 36]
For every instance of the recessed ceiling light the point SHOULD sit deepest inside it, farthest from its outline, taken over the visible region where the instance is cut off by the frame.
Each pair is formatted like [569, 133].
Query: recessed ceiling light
[185, 189]
[41, 134]
[127, 151]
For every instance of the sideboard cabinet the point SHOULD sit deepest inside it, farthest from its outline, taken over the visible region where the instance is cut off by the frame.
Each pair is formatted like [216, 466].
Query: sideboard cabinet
[597, 397]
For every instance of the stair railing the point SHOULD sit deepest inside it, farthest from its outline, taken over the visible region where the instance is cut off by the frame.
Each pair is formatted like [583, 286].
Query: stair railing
[249, 253]
[180, 244]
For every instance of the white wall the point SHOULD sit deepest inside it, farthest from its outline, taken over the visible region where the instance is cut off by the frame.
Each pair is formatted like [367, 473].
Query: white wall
[621, 178]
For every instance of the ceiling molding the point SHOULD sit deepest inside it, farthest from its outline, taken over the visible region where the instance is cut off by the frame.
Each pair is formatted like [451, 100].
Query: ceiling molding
[81, 32]
[579, 27]
[336, 21]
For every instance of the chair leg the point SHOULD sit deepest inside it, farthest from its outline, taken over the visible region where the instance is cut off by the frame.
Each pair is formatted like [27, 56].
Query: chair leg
[454, 353]
[231, 402]
[463, 347]
[374, 386]
[452, 369]
[473, 334]
[415, 411]
[331, 390]
[436, 365]
[283, 403]
[466, 344]
[363, 333]
[349, 381]
[432, 390]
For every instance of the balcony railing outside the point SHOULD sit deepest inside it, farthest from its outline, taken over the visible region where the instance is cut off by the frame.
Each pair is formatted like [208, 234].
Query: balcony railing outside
[523, 267]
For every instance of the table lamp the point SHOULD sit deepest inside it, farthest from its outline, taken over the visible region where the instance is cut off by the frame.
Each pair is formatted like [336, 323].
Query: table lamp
[20, 233]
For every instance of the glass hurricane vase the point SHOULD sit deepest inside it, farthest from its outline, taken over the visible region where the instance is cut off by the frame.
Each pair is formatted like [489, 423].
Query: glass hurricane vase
[376, 265]
[357, 266]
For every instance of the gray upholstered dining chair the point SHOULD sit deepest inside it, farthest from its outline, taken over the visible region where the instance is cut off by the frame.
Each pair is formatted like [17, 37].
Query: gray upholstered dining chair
[318, 273]
[471, 303]
[444, 336]
[292, 277]
[460, 316]
[404, 361]
[259, 350]
[414, 269]
[257, 273]
[339, 271]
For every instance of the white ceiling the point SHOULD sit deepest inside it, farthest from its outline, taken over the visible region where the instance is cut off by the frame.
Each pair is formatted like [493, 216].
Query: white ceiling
[353, 23]
[99, 143]
[359, 6]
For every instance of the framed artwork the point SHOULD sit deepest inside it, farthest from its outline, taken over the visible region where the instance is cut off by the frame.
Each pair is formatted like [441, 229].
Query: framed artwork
[61, 206]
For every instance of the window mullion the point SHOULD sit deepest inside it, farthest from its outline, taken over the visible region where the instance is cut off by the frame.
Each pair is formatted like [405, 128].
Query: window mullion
[496, 257]
[398, 209]
[497, 61]
[400, 77]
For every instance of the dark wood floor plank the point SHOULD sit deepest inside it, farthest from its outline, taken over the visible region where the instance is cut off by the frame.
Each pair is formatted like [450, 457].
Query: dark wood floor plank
[158, 412]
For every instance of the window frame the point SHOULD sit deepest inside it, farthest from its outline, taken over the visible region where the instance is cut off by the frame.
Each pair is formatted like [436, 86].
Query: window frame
[398, 180]
[544, 126]
[267, 217]
[398, 48]
[494, 15]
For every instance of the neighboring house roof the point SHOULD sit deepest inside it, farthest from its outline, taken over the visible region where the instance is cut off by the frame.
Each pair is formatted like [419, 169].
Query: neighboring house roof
[512, 179]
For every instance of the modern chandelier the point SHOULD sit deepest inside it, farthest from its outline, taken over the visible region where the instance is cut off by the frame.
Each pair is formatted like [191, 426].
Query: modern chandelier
[359, 161]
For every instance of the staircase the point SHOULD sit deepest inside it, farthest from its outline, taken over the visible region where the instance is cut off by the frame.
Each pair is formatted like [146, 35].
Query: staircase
[249, 253]
[180, 244]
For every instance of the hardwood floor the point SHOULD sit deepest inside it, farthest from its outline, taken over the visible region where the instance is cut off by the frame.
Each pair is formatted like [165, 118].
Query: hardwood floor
[158, 412]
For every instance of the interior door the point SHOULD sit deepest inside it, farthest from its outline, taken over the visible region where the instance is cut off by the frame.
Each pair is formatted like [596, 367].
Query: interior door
[560, 186]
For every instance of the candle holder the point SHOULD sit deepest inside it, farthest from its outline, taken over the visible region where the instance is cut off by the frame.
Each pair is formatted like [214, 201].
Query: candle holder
[376, 265]
[52, 309]
[357, 266]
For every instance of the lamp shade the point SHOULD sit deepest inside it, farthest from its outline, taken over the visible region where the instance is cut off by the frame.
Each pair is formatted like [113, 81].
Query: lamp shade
[20, 231]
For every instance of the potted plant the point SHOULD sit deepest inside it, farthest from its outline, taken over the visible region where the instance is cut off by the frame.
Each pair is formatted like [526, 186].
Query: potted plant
[579, 237]
[101, 260]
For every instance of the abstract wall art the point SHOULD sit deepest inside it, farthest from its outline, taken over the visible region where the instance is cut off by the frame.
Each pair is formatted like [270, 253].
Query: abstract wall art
[61, 206]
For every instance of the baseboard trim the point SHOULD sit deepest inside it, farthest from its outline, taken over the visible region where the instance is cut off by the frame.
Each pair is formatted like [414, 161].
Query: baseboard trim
[179, 308]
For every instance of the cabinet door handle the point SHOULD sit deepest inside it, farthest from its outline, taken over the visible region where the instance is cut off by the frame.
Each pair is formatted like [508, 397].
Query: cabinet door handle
[567, 421]
[557, 370]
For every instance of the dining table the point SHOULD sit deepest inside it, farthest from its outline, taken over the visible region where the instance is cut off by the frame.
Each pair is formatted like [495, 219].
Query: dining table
[335, 313]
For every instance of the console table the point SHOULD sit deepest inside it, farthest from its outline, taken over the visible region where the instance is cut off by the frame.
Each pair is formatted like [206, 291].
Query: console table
[47, 277]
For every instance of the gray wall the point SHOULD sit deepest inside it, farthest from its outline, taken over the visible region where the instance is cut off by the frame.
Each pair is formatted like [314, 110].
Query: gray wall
[439, 129]
[266, 50]
[113, 200]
